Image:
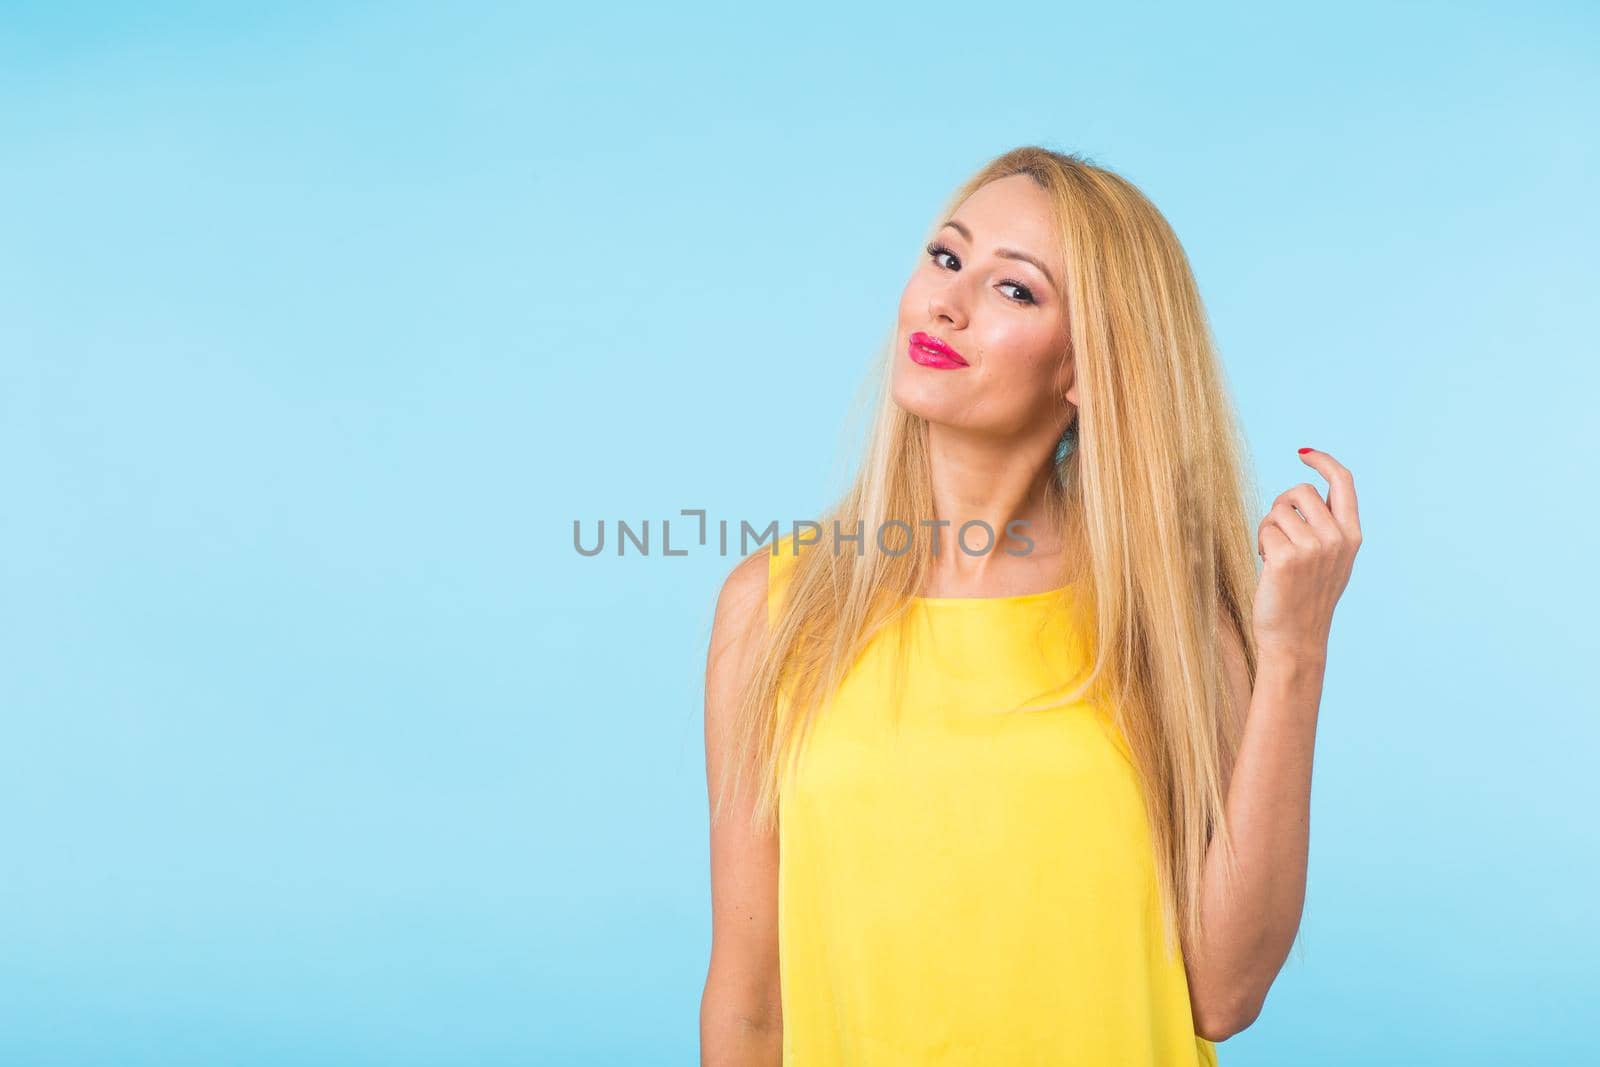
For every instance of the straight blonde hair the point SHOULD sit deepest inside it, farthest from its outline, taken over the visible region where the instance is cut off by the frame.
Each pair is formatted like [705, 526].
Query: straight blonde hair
[1154, 505]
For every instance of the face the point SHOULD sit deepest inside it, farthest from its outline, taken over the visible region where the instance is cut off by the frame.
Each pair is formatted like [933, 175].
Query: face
[1003, 316]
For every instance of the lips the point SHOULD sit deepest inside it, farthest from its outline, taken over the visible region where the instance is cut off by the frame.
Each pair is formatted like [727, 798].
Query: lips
[929, 351]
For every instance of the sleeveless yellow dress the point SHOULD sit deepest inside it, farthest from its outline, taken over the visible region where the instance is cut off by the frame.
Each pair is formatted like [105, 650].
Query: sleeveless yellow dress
[959, 885]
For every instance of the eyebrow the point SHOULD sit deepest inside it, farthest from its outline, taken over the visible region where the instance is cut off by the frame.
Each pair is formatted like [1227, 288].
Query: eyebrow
[1008, 253]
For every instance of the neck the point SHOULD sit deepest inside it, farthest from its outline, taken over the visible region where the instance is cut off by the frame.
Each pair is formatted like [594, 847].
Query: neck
[998, 481]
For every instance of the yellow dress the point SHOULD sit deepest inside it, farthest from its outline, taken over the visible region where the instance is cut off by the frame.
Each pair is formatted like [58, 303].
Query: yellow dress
[958, 885]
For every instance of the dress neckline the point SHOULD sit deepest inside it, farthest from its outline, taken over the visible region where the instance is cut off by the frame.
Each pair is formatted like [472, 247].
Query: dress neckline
[1014, 598]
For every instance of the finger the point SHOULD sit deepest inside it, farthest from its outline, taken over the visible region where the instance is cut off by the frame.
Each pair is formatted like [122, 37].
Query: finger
[1296, 529]
[1315, 510]
[1273, 541]
[1280, 520]
[1341, 489]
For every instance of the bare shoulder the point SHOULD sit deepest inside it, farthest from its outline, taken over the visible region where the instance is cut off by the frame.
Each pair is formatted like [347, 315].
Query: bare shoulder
[741, 604]
[738, 628]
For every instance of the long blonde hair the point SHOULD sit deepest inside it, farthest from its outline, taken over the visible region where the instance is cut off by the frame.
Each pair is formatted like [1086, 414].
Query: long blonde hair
[1154, 504]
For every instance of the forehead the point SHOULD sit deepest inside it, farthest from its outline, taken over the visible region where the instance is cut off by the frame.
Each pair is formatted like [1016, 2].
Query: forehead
[1013, 212]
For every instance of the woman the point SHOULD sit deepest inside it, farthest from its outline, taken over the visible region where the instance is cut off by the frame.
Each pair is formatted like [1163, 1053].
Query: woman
[1040, 798]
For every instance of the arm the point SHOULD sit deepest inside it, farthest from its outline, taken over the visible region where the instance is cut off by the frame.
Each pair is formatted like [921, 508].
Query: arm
[1249, 932]
[1250, 921]
[741, 1018]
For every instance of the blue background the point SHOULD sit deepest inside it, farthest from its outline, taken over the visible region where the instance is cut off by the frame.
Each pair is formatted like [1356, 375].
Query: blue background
[322, 323]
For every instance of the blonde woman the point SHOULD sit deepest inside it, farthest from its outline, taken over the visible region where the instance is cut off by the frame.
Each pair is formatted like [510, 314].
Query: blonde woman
[1010, 754]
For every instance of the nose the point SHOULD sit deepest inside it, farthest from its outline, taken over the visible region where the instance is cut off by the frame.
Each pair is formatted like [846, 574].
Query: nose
[948, 303]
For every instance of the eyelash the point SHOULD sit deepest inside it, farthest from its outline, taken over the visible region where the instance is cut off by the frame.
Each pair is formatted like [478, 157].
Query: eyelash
[936, 249]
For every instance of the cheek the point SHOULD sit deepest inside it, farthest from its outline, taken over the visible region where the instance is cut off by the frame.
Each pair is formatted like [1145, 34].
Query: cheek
[913, 302]
[1025, 353]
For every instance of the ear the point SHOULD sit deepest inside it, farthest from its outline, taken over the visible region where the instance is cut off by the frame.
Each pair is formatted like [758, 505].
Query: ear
[1069, 378]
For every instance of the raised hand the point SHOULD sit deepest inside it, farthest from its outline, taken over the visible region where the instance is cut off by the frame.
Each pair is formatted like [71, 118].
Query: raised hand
[1309, 546]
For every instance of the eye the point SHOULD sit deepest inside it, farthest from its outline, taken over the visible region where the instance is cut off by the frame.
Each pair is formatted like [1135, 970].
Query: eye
[935, 250]
[1027, 295]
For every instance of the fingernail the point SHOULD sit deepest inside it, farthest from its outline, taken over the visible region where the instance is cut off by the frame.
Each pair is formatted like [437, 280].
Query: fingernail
[1303, 451]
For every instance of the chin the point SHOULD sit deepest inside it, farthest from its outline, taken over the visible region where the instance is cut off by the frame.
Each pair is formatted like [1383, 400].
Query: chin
[932, 400]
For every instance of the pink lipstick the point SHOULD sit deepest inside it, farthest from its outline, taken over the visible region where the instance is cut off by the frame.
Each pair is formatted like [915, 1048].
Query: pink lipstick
[929, 351]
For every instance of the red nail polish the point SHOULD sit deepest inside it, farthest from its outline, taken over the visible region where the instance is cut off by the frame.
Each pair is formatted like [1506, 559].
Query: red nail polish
[1303, 451]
